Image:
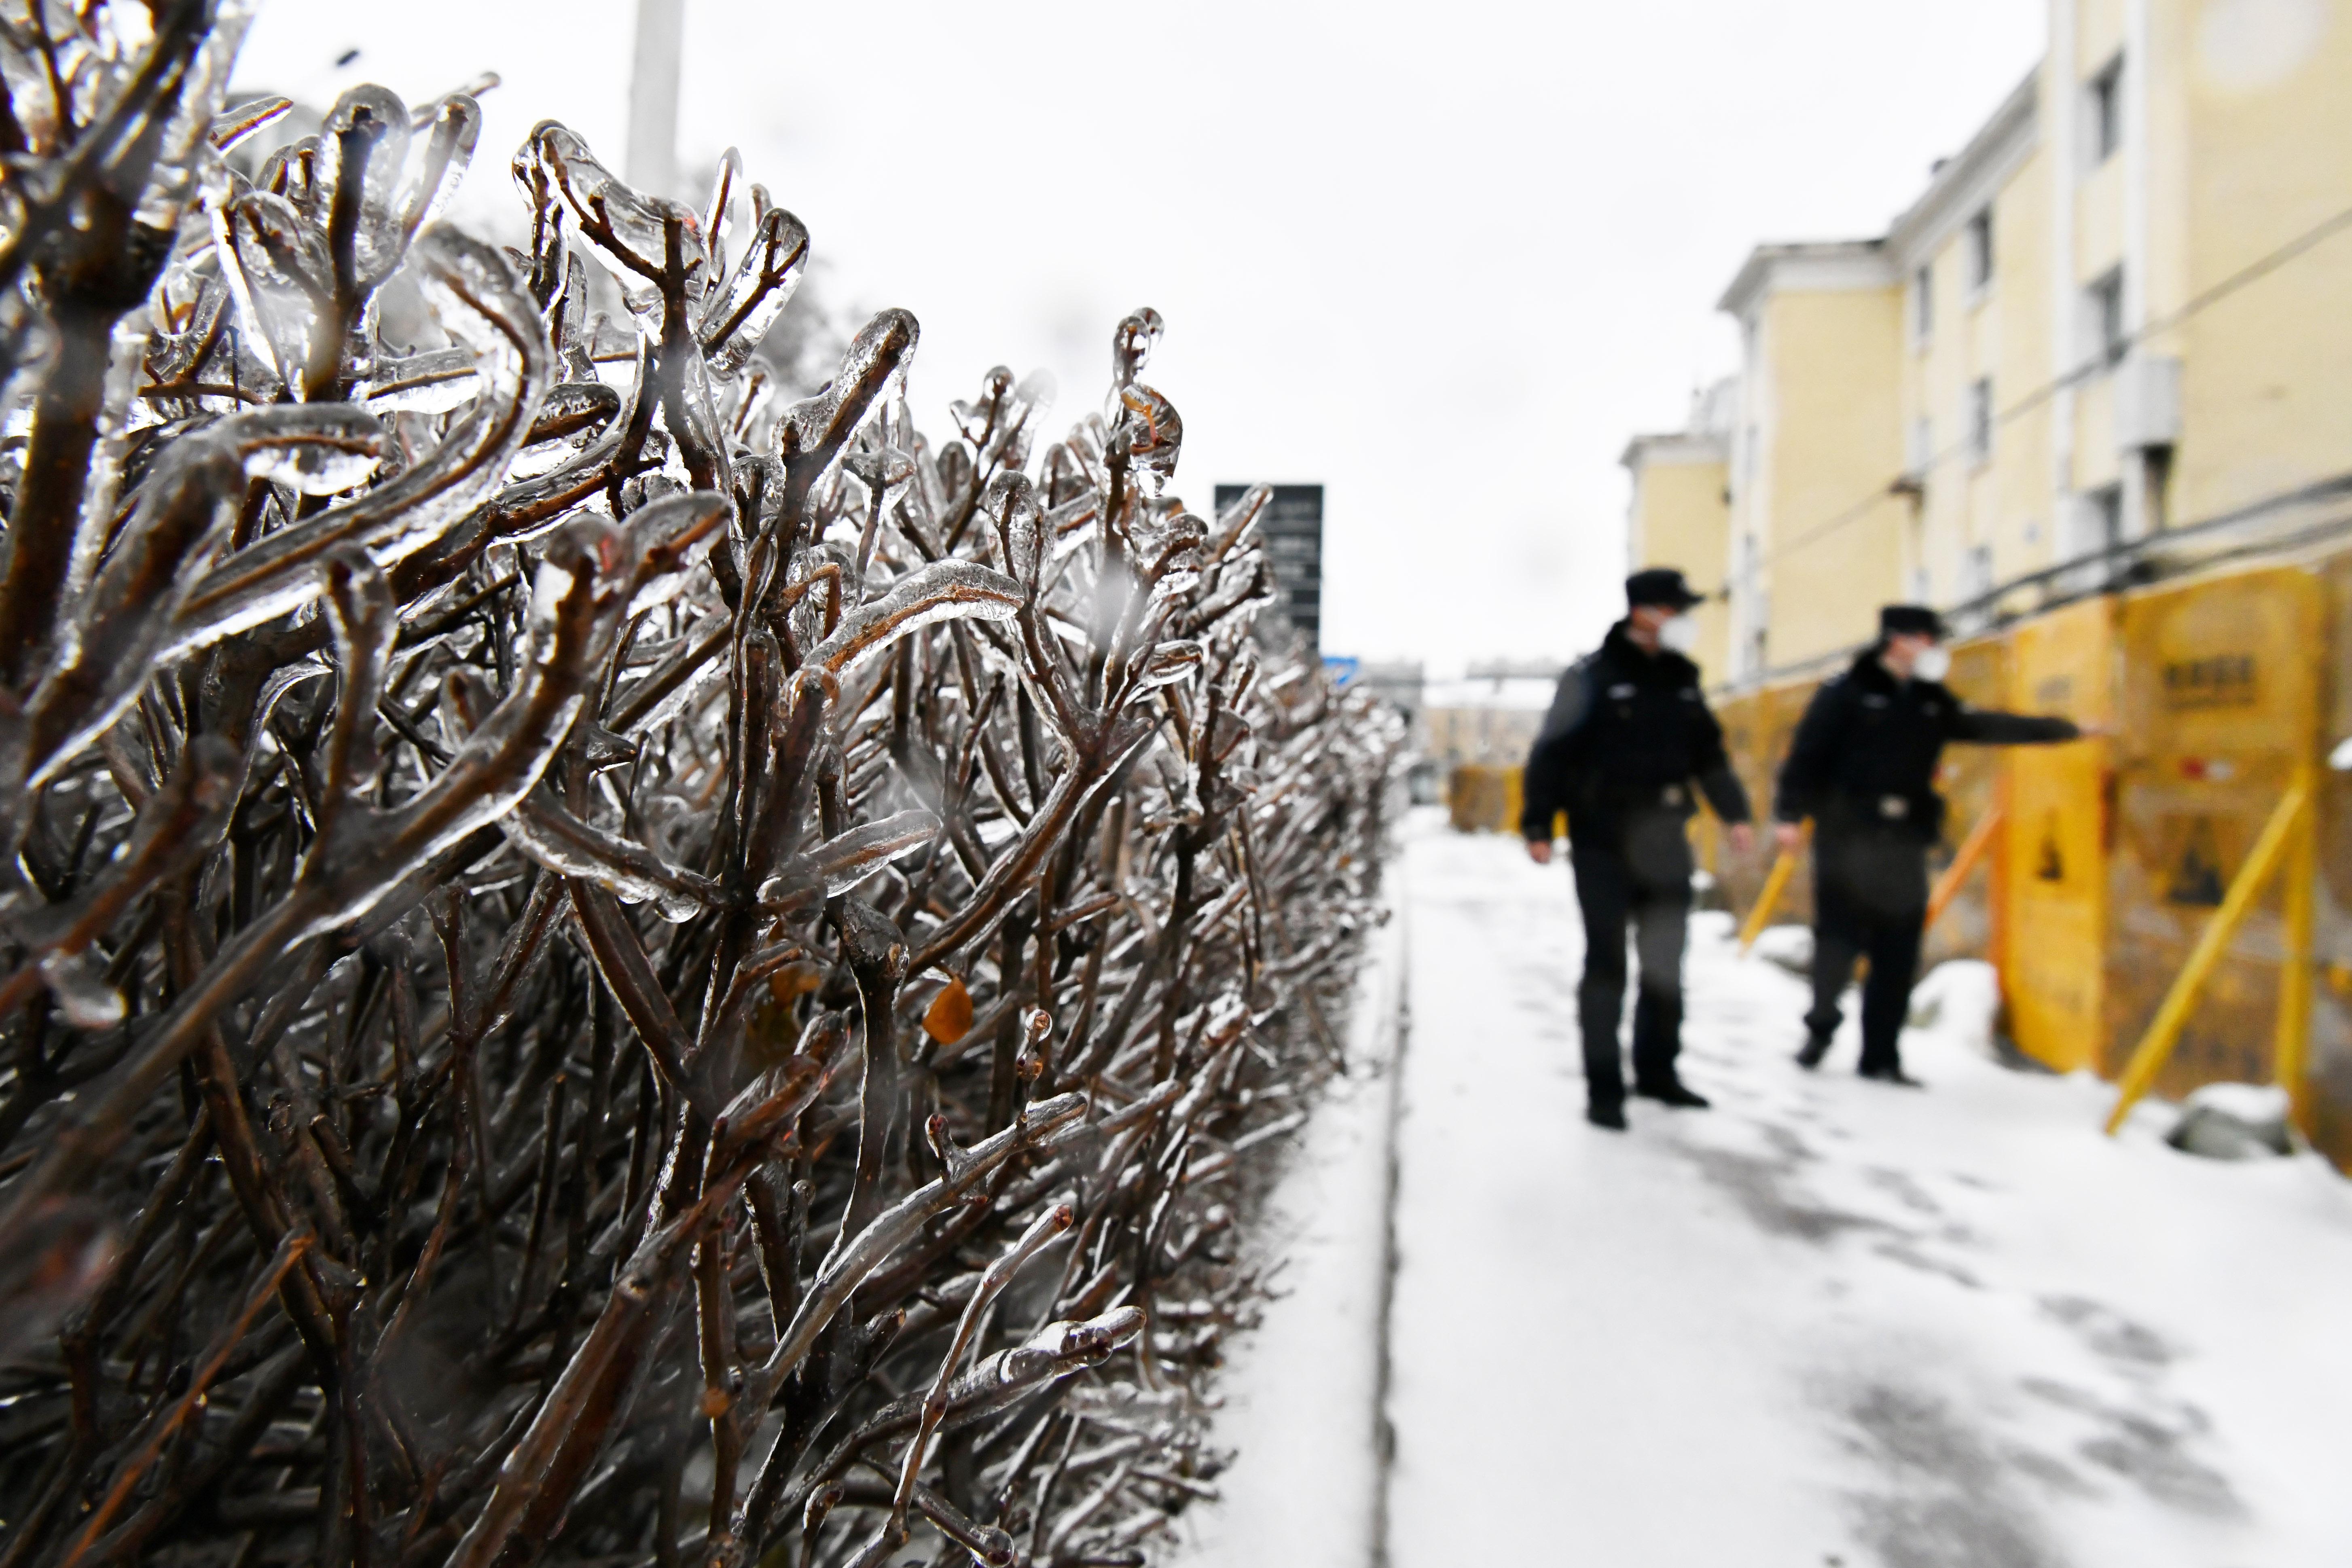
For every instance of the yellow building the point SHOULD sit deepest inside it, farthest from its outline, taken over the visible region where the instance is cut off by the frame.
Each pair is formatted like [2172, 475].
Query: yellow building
[1680, 515]
[2113, 324]
[1814, 542]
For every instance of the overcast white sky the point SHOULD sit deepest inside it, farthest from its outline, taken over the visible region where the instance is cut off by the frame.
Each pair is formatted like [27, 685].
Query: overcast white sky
[1443, 260]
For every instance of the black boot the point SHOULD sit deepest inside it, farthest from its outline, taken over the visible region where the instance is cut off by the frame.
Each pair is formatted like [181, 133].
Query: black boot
[1608, 1114]
[1890, 1073]
[1816, 1047]
[1673, 1092]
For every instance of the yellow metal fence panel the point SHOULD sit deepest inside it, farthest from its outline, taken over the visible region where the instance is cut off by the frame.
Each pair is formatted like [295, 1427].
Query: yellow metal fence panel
[2054, 922]
[1483, 798]
[1971, 779]
[2217, 709]
[1784, 708]
[1738, 878]
[2328, 1104]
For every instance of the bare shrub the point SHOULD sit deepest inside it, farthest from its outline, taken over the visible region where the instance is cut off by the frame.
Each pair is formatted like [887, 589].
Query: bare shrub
[597, 967]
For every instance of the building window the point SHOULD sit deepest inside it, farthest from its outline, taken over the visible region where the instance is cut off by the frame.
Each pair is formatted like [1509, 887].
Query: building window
[1921, 453]
[1981, 418]
[2106, 105]
[1980, 581]
[1923, 304]
[1979, 244]
[2106, 515]
[2104, 316]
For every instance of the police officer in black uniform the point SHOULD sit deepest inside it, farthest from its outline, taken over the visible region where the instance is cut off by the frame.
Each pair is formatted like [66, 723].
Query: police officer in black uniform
[1627, 736]
[1862, 767]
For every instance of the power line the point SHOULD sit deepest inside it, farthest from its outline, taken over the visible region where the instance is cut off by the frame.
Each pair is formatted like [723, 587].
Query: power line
[2252, 272]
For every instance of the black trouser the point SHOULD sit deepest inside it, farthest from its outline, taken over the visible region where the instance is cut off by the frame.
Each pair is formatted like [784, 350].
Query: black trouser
[1638, 874]
[1870, 901]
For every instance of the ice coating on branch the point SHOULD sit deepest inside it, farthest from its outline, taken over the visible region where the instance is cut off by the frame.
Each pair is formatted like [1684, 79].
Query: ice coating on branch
[438, 159]
[884, 471]
[476, 296]
[1010, 505]
[943, 591]
[78, 981]
[739, 315]
[183, 517]
[277, 267]
[635, 237]
[717, 213]
[229, 129]
[431, 383]
[977, 419]
[556, 840]
[1130, 349]
[182, 141]
[362, 150]
[818, 426]
[1154, 434]
[1167, 549]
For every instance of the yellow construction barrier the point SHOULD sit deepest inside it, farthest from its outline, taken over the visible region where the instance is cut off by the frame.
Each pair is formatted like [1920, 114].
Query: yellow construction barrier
[1973, 848]
[2217, 721]
[1972, 780]
[2052, 950]
[1757, 728]
[2286, 838]
[2107, 865]
[1972, 851]
[1484, 798]
[1784, 866]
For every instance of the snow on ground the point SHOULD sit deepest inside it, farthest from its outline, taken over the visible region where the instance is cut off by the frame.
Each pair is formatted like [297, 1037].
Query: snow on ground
[1299, 1396]
[1827, 1323]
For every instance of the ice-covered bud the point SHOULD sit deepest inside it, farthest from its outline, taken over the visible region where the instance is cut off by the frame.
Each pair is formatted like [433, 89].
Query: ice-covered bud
[1010, 505]
[362, 152]
[1154, 432]
[1131, 343]
[1167, 664]
[977, 420]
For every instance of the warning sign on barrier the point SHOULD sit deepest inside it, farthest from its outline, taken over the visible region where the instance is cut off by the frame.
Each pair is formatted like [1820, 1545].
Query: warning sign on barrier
[2054, 927]
[2217, 706]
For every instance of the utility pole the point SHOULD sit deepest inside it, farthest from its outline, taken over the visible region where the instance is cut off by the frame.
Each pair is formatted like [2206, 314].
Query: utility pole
[652, 162]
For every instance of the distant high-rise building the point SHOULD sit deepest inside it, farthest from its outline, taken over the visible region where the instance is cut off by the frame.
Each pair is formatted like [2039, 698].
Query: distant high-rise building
[1293, 526]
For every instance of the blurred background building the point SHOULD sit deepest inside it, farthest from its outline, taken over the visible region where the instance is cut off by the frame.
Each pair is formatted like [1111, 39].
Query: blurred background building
[2119, 313]
[1680, 512]
[1292, 526]
[1489, 716]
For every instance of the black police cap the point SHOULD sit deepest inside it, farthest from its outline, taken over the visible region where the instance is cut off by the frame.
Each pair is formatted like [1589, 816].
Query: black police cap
[1660, 585]
[1909, 621]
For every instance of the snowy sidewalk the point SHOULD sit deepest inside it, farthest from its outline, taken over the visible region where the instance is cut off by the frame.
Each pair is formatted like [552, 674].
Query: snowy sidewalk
[1827, 1323]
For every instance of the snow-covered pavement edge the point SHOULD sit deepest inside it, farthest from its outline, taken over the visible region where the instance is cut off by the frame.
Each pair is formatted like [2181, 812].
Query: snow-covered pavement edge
[1300, 1393]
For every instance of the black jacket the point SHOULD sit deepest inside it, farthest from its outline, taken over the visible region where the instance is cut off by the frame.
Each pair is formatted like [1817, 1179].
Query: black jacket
[1866, 750]
[1627, 730]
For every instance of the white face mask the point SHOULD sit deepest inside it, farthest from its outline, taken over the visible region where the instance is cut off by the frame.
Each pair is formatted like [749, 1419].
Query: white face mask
[1679, 634]
[1934, 663]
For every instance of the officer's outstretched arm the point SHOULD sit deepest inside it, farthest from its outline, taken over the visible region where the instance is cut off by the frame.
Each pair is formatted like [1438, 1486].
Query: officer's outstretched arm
[1990, 727]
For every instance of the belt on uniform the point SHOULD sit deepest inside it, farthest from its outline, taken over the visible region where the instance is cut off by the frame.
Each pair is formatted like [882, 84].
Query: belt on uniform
[1644, 797]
